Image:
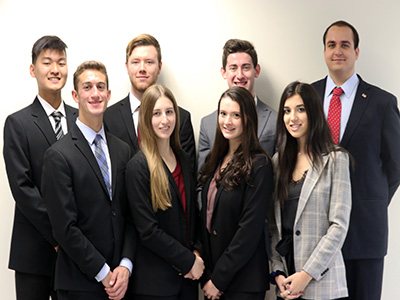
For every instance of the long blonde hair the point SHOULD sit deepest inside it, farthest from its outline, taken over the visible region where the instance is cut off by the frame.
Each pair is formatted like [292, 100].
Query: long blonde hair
[160, 192]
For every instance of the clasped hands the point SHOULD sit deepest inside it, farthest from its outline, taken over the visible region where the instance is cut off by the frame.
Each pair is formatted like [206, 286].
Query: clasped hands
[293, 286]
[116, 283]
[197, 268]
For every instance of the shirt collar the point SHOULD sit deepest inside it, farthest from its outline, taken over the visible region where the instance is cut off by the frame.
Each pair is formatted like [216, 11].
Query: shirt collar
[348, 87]
[135, 102]
[50, 109]
[89, 133]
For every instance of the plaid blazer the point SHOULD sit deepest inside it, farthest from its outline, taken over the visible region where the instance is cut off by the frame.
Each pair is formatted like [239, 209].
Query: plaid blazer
[320, 227]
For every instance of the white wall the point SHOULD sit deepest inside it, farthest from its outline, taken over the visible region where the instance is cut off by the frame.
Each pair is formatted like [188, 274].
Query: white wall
[286, 33]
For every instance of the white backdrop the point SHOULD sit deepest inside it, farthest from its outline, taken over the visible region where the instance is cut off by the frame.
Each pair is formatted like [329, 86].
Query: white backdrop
[287, 35]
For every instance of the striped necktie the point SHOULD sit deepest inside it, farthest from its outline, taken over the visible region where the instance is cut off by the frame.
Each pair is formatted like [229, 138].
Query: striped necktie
[102, 162]
[58, 129]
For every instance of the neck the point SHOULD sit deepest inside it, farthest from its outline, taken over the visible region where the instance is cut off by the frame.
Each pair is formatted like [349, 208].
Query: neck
[233, 145]
[137, 93]
[339, 79]
[164, 147]
[54, 99]
[94, 123]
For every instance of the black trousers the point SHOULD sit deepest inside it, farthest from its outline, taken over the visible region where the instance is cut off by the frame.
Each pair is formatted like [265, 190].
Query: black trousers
[364, 278]
[71, 295]
[242, 296]
[34, 287]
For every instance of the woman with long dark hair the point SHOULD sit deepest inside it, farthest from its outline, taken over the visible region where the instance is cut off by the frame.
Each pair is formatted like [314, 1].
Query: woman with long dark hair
[312, 200]
[236, 185]
[161, 194]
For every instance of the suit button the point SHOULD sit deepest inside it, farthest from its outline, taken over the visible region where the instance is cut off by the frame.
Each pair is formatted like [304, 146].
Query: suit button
[113, 213]
[298, 232]
[215, 232]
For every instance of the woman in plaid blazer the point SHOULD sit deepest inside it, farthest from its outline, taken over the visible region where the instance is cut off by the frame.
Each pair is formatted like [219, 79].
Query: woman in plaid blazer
[312, 200]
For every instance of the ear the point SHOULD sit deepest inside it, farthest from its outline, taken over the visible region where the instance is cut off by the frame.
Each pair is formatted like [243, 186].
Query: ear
[32, 70]
[75, 96]
[258, 70]
[159, 67]
[223, 72]
[357, 52]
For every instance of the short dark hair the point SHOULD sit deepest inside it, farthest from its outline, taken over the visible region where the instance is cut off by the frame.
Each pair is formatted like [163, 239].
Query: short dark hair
[341, 23]
[236, 46]
[47, 42]
[89, 65]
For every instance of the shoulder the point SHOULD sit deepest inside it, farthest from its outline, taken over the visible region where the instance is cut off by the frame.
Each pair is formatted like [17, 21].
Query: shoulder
[206, 120]
[138, 161]
[116, 106]
[377, 91]
[260, 161]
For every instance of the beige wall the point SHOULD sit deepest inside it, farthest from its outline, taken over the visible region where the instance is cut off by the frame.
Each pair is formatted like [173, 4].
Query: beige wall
[286, 33]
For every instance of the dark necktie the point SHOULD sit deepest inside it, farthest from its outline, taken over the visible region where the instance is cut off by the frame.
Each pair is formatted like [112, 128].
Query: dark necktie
[58, 129]
[334, 114]
[102, 161]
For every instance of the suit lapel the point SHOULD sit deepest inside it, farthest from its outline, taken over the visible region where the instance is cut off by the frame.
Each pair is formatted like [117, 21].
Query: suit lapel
[263, 115]
[82, 144]
[308, 186]
[42, 122]
[71, 116]
[361, 102]
[126, 114]
[112, 150]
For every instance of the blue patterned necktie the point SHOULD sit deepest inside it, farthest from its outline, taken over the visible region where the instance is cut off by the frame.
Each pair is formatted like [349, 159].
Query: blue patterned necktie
[57, 119]
[102, 161]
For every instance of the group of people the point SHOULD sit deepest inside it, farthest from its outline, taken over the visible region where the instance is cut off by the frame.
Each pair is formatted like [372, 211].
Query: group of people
[113, 203]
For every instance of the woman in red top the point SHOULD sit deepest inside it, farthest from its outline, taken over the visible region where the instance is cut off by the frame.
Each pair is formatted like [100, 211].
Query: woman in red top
[161, 194]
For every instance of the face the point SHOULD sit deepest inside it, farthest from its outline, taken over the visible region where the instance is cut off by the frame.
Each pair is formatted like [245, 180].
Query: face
[164, 118]
[92, 95]
[50, 71]
[230, 120]
[295, 117]
[240, 71]
[340, 55]
[143, 69]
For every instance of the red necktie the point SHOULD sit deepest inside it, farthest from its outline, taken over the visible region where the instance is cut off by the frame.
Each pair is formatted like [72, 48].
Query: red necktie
[335, 110]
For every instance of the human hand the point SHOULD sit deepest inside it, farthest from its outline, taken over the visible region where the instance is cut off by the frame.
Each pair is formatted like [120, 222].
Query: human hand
[106, 280]
[197, 268]
[118, 283]
[295, 285]
[211, 291]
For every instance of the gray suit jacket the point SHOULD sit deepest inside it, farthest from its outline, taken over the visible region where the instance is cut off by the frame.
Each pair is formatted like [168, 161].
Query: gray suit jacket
[320, 227]
[266, 131]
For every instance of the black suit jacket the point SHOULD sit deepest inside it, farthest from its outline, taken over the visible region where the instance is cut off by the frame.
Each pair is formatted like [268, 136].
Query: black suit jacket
[89, 227]
[28, 133]
[235, 251]
[118, 121]
[164, 252]
[372, 136]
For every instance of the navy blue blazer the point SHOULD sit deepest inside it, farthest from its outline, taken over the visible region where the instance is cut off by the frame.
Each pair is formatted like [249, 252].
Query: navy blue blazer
[372, 137]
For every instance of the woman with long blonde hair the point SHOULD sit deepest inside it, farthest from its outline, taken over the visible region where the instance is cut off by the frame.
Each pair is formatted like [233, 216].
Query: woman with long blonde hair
[161, 195]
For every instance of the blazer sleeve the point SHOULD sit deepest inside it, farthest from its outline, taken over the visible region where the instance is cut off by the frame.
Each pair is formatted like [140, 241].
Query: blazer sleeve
[251, 224]
[338, 217]
[391, 145]
[21, 178]
[187, 138]
[57, 189]
[150, 234]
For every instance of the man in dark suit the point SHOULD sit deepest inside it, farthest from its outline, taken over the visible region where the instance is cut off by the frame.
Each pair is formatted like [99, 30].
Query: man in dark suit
[27, 135]
[84, 189]
[370, 130]
[240, 68]
[143, 64]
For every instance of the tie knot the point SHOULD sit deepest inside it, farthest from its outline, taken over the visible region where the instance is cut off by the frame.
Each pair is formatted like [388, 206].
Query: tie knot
[337, 91]
[56, 115]
[97, 139]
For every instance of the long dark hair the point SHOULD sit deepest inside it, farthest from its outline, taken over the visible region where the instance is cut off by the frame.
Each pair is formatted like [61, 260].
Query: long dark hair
[239, 167]
[318, 141]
